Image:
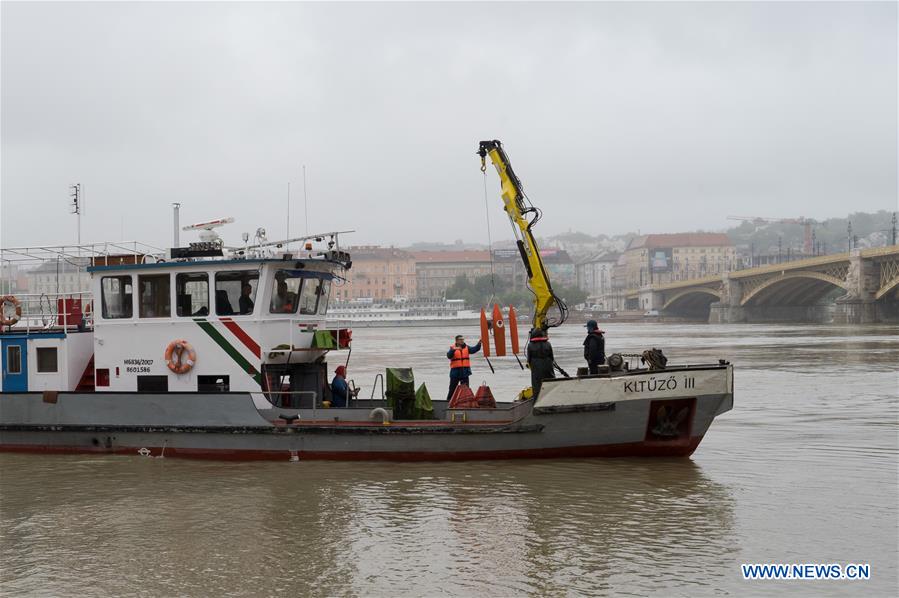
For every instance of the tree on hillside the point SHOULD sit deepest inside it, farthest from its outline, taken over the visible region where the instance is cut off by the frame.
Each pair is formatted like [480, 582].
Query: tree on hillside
[571, 295]
[485, 289]
[832, 235]
[480, 293]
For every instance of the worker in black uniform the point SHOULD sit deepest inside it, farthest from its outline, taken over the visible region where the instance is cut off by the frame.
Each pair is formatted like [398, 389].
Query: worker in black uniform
[594, 347]
[540, 358]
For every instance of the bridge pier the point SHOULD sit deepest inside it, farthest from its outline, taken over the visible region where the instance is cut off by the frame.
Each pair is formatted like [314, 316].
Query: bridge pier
[721, 313]
[855, 311]
[858, 306]
[651, 299]
[728, 310]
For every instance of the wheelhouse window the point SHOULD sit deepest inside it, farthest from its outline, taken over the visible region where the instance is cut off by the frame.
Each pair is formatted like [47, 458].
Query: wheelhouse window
[235, 292]
[285, 290]
[47, 360]
[117, 294]
[192, 292]
[155, 300]
[295, 291]
[309, 296]
[324, 289]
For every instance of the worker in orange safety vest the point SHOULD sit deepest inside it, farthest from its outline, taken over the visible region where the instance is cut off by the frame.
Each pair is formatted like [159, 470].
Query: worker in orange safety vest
[460, 363]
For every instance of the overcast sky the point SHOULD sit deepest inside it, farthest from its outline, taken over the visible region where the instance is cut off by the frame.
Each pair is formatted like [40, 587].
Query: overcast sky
[662, 117]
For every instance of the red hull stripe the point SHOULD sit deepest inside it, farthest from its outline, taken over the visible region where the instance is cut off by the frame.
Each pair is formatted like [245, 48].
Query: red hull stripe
[633, 449]
[245, 338]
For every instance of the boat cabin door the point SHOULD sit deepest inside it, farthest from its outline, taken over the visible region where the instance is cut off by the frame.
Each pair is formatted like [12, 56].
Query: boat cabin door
[14, 364]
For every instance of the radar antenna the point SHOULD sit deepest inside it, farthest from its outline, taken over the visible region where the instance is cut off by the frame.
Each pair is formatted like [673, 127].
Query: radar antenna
[208, 234]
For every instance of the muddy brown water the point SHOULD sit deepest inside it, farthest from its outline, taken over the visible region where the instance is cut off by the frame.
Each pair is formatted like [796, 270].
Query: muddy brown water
[803, 470]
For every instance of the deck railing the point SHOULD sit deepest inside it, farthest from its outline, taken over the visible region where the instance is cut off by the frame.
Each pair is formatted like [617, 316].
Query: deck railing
[42, 311]
[46, 312]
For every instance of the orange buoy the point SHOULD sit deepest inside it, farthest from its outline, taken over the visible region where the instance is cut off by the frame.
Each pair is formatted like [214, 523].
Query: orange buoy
[485, 334]
[16, 313]
[463, 398]
[180, 356]
[513, 330]
[499, 331]
[484, 396]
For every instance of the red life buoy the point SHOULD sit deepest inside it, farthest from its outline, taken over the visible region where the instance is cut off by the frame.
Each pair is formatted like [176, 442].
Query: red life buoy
[17, 314]
[180, 356]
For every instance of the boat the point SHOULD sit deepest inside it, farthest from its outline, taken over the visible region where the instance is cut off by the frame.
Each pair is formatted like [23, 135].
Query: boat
[368, 314]
[222, 352]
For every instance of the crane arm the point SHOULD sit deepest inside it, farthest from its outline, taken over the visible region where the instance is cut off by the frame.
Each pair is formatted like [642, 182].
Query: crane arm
[517, 210]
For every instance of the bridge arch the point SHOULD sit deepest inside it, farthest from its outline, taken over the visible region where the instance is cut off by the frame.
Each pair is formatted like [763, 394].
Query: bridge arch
[885, 290]
[791, 284]
[889, 277]
[691, 296]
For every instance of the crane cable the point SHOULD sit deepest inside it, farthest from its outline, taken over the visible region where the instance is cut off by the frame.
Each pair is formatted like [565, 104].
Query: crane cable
[489, 251]
[489, 239]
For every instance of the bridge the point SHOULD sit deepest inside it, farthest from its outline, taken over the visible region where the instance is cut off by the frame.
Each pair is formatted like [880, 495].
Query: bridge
[856, 287]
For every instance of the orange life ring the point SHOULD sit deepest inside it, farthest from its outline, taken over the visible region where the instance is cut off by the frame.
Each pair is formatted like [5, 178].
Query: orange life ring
[4, 321]
[180, 356]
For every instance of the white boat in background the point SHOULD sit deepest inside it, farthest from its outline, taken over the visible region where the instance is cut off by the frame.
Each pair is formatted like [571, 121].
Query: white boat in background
[368, 314]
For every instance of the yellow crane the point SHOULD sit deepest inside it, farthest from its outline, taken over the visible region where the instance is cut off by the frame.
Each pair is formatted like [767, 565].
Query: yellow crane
[518, 207]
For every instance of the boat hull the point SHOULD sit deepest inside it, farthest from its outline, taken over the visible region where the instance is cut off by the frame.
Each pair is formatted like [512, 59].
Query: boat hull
[573, 418]
[134, 444]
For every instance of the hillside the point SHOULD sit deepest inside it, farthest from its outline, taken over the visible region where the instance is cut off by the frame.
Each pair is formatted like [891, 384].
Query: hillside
[832, 235]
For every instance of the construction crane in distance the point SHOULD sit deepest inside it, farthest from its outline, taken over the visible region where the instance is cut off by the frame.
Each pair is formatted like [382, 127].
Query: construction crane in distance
[808, 242]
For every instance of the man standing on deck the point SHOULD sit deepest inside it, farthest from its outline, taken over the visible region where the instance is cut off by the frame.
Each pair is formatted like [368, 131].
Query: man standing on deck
[460, 364]
[540, 358]
[340, 391]
[594, 347]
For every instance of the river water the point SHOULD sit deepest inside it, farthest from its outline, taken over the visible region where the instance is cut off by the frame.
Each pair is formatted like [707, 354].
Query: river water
[803, 470]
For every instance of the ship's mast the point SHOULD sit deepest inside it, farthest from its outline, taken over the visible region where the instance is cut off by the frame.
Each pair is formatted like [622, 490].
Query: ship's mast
[176, 237]
[76, 206]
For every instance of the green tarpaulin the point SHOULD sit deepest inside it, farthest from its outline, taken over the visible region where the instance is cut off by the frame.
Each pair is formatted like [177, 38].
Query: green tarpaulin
[322, 339]
[406, 402]
[423, 408]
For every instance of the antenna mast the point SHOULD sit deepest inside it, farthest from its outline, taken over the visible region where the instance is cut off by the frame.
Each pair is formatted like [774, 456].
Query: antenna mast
[305, 201]
[75, 194]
